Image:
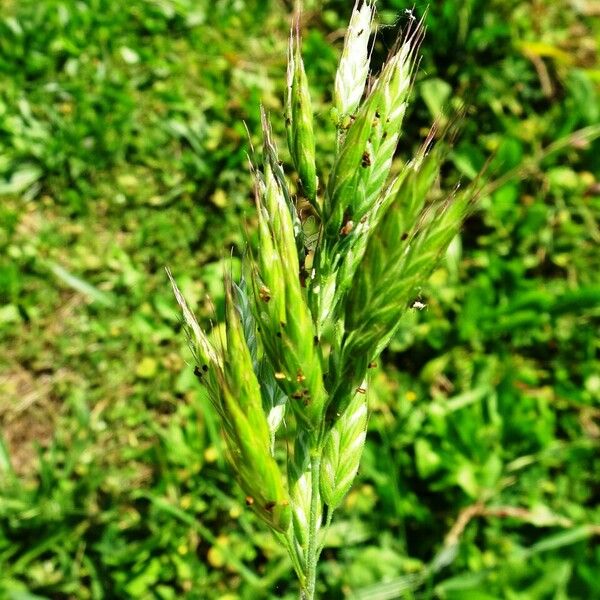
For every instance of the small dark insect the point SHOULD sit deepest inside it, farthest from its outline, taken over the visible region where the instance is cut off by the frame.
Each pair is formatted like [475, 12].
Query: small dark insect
[270, 505]
[404, 236]
[360, 33]
[316, 341]
[278, 334]
[372, 365]
[288, 121]
[361, 390]
[377, 114]
[198, 373]
[249, 500]
[205, 368]
[366, 159]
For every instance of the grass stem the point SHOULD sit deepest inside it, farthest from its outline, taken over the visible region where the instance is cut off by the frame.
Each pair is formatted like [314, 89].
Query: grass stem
[308, 590]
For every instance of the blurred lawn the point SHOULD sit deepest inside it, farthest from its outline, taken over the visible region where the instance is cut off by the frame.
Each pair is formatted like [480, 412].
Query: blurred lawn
[122, 150]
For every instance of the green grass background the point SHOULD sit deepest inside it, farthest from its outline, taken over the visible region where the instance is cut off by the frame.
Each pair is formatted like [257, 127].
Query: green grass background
[122, 151]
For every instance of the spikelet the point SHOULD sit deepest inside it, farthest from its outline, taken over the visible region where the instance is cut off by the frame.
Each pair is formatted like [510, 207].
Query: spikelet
[235, 392]
[247, 430]
[364, 160]
[255, 469]
[343, 448]
[353, 69]
[356, 247]
[299, 118]
[273, 399]
[244, 308]
[374, 306]
[408, 193]
[299, 481]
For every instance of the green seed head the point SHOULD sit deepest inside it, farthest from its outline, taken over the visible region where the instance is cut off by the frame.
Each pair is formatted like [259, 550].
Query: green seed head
[325, 290]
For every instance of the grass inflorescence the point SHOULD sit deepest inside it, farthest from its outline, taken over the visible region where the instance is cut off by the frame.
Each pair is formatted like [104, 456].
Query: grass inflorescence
[308, 319]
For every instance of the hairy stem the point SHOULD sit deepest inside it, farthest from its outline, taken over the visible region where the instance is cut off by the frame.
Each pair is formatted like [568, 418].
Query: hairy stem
[308, 590]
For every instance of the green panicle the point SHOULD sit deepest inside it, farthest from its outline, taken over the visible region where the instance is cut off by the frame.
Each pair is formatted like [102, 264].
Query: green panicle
[325, 290]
